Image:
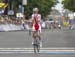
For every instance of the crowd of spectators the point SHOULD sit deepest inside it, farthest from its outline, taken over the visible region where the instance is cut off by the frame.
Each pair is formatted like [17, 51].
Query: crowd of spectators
[5, 19]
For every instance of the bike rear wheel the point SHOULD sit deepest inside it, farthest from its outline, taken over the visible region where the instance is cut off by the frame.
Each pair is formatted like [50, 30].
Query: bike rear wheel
[36, 45]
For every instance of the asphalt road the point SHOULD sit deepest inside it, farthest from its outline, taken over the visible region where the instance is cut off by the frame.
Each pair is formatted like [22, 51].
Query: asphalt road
[33, 55]
[50, 39]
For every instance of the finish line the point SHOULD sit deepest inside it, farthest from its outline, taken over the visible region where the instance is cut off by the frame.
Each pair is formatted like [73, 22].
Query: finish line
[42, 50]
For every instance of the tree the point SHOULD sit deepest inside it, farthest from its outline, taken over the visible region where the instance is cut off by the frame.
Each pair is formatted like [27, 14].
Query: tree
[69, 4]
[43, 5]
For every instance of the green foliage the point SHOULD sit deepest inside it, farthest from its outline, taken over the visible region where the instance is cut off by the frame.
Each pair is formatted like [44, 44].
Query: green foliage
[43, 5]
[1, 1]
[69, 4]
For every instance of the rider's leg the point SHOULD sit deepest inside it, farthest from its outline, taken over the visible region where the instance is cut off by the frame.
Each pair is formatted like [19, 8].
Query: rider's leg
[33, 35]
[39, 32]
[39, 35]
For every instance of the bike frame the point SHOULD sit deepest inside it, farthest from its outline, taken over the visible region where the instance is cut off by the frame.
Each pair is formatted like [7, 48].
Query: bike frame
[36, 44]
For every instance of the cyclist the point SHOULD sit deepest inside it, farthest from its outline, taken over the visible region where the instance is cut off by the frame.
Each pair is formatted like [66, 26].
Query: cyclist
[36, 19]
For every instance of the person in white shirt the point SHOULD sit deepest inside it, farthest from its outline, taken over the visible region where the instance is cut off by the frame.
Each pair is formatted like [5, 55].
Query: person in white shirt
[36, 20]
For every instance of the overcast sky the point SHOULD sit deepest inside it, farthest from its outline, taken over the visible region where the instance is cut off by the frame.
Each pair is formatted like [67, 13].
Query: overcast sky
[59, 6]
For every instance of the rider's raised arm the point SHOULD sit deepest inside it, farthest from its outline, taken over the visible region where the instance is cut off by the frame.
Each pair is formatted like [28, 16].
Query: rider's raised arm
[39, 17]
[32, 18]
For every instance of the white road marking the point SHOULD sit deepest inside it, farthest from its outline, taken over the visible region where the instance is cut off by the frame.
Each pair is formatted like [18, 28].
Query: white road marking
[65, 48]
[42, 50]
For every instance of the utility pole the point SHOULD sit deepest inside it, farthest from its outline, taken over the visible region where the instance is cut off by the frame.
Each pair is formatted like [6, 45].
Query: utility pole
[24, 3]
[6, 9]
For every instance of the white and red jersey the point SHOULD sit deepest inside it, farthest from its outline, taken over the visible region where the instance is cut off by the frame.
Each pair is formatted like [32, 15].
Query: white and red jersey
[38, 17]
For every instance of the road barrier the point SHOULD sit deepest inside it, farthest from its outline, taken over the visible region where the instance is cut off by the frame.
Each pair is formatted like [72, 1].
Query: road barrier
[10, 27]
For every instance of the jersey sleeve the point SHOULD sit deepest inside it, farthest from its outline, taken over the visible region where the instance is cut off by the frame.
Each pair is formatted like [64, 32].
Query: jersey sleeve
[32, 17]
[39, 17]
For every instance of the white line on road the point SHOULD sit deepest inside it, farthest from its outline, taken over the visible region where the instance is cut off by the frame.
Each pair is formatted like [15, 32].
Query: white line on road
[42, 50]
[65, 48]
